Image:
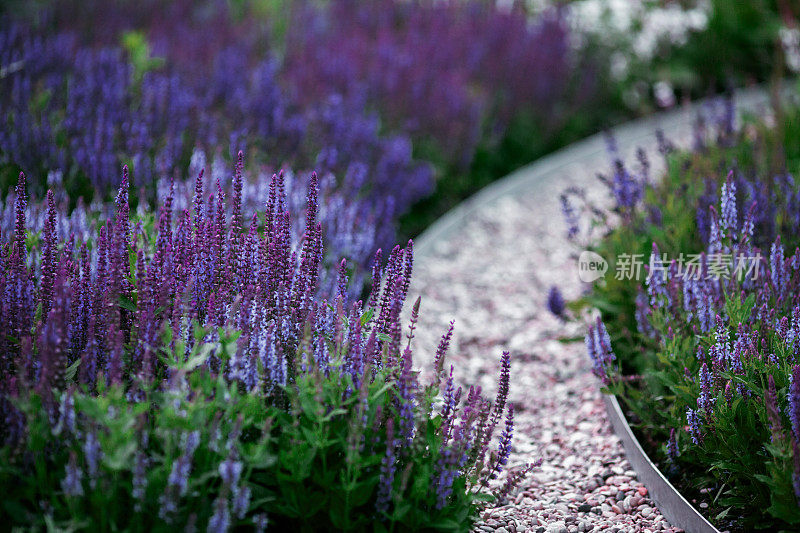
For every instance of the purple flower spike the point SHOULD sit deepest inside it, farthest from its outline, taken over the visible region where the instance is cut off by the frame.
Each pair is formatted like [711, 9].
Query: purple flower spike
[598, 346]
[705, 402]
[385, 487]
[504, 450]
[693, 421]
[71, 484]
[794, 401]
[555, 302]
[773, 411]
[672, 446]
[730, 221]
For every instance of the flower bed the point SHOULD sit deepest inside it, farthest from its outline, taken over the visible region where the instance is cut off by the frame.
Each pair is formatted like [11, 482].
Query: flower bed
[187, 373]
[706, 362]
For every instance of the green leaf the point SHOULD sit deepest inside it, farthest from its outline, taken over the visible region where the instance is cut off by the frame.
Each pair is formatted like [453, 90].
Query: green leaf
[69, 374]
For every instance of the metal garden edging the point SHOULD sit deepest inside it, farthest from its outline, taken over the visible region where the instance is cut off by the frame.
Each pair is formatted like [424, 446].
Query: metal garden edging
[670, 502]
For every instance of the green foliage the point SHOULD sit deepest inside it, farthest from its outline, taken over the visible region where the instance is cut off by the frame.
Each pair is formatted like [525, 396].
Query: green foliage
[138, 49]
[310, 453]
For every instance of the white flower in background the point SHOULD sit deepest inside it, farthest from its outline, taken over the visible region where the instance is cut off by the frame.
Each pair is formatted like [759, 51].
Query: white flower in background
[790, 40]
[637, 24]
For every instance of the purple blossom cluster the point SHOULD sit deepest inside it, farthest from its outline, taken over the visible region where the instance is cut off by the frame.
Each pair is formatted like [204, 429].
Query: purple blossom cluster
[115, 308]
[103, 304]
[78, 110]
[439, 70]
[467, 432]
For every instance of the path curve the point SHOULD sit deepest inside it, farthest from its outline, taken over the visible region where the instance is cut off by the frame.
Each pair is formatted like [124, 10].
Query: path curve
[488, 264]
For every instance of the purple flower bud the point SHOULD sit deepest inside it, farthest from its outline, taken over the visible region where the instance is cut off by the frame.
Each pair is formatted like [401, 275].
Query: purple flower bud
[386, 484]
[793, 410]
[230, 471]
[71, 484]
[139, 484]
[778, 272]
[693, 421]
[730, 221]
[773, 411]
[260, 522]
[570, 217]
[555, 302]
[705, 402]
[241, 502]
[598, 346]
[93, 453]
[220, 521]
[672, 446]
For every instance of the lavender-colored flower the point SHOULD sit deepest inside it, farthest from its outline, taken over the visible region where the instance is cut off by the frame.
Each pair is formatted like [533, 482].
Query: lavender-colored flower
[71, 484]
[777, 267]
[220, 521]
[388, 468]
[693, 421]
[260, 522]
[66, 415]
[139, 483]
[705, 402]
[93, 454]
[230, 471]
[793, 409]
[657, 279]
[504, 450]
[773, 411]
[642, 315]
[626, 189]
[716, 234]
[730, 221]
[555, 302]
[241, 502]
[598, 346]
[672, 446]
[570, 217]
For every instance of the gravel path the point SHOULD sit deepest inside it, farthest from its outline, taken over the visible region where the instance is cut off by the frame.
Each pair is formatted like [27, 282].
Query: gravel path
[489, 266]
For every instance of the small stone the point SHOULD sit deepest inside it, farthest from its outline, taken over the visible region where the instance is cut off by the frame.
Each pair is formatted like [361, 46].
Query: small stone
[616, 509]
[642, 491]
[646, 511]
[585, 508]
[620, 496]
[704, 505]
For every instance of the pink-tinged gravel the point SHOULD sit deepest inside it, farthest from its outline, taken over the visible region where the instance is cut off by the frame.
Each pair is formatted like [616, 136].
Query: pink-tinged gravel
[492, 275]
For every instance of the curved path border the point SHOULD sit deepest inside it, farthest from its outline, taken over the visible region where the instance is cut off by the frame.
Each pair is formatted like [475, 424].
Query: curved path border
[488, 264]
[671, 502]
